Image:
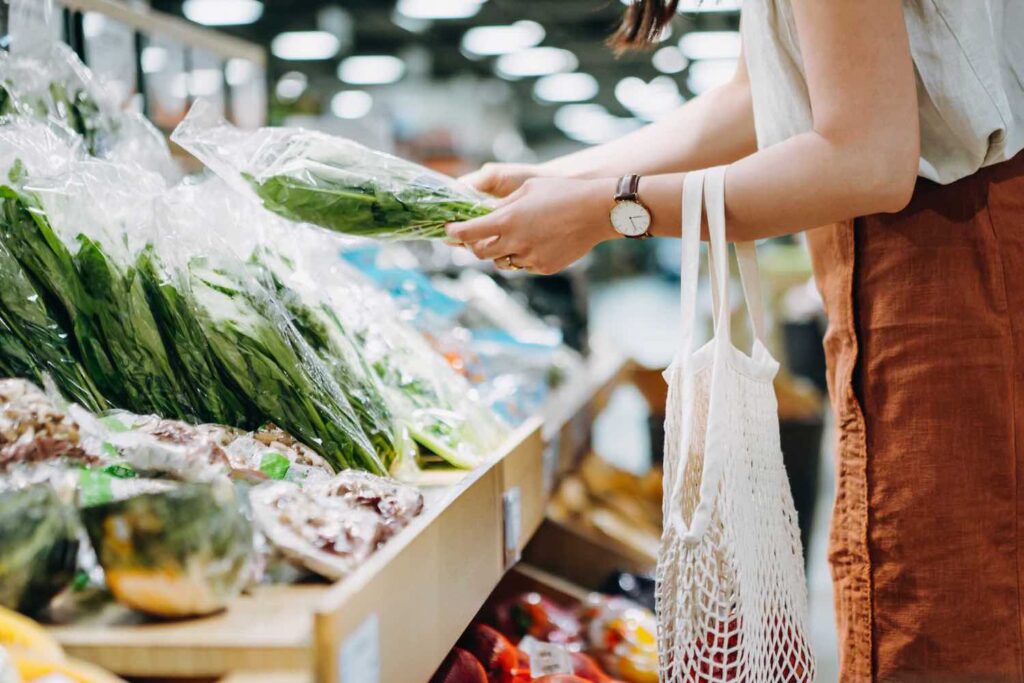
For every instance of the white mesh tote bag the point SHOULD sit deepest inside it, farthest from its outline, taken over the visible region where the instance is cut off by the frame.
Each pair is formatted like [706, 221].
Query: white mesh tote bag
[731, 595]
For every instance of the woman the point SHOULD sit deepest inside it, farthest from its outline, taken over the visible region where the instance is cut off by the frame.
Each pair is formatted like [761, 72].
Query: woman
[896, 125]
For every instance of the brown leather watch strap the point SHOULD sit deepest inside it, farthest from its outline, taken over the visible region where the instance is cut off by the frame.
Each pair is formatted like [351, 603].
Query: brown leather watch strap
[628, 187]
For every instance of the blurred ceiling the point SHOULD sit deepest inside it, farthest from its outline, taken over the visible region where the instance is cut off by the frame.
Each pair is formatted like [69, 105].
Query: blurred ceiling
[371, 27]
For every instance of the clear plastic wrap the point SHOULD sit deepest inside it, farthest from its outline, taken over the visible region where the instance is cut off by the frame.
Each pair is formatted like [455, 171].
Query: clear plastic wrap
[181, 552]
[253, 338]
[438, 407]
[43, 79]
[72, 234]
[163, 315]
[332, 182]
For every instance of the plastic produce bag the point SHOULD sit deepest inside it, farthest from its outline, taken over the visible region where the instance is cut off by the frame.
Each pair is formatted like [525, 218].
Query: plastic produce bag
[439, 408]
[43, 79]
[73, 234]
[38, 542]
[255, 341]
[182, 552]
[312, 177]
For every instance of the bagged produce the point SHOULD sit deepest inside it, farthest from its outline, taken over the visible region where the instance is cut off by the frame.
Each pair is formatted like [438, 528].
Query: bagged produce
[181, 552]
[38, 542]
[396, 503]
[333, 527]
[43, 79]
[258, 344]
[440, 410]
[33, 429]
[330, 537]
[312, 177]
[72, 234]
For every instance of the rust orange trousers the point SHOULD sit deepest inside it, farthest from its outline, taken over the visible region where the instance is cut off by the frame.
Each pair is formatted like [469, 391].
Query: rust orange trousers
[926, 373]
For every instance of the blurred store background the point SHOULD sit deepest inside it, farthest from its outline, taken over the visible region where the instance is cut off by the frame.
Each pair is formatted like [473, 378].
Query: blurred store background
[456, 83]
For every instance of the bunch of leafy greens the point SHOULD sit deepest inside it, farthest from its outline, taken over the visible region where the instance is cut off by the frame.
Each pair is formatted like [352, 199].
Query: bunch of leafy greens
[318, 324]
[104, 303]
[332, 182]
[201, 342]
[261, 350]
[364, 207]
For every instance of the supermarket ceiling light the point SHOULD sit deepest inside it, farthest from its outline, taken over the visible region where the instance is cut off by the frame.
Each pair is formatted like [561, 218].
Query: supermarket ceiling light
[710, 45]
[291, 86]
[305, 45]
[704, 76]
[222, 12]
[485, 41]
[351, 104]
[154, 59]
[439, 9]
[535, 61]
[570, 87]
[669, 60]
[592, 124]
[649, 101]
[371, 69]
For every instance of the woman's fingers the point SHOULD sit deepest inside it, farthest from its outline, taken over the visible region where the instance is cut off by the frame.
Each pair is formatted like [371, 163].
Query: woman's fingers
[476, 229]
[489, 249]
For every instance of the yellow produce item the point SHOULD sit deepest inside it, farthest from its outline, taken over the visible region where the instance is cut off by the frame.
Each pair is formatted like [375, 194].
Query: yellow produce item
[32, 668]
[18, 633]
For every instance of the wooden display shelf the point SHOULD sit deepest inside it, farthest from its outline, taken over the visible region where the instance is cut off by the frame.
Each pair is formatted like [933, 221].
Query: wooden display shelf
[396, 617]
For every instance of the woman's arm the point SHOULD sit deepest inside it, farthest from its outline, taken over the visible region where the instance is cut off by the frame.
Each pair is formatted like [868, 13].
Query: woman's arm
[861, 156]
[712, 129]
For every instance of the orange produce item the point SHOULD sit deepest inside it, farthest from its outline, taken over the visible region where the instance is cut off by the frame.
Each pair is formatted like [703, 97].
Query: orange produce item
[460, 667]
[498, 655]
[532, 614]
[560, 678]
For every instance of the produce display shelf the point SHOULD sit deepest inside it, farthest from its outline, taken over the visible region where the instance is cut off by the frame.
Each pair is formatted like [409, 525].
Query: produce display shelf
[396, 617]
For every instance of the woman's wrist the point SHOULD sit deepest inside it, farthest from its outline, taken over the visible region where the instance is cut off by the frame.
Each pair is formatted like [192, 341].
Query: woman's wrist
[600, 202]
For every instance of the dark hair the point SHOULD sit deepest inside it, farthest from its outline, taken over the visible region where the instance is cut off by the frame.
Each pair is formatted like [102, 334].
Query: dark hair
[642, 23]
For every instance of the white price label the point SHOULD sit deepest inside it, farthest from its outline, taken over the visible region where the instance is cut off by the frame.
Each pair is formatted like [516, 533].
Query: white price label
[359, 657]
[546, 658]
[512, 506]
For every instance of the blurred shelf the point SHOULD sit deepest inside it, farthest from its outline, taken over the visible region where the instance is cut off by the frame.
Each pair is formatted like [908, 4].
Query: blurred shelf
[397, 616]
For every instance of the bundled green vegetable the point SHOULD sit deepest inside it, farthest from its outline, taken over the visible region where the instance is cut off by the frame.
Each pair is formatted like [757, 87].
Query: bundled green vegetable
[319, 325]
[101, 298]
[38, 542]
[44, 80]
[260, 349]
[182, 552]
[217, 397]
[331, 182]
[434, 404]
[33, 343]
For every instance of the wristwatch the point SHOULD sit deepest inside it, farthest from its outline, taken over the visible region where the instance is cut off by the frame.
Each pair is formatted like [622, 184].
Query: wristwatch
[629, 216]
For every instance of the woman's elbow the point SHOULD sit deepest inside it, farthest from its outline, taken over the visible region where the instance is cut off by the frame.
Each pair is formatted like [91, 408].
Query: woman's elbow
[894, 176]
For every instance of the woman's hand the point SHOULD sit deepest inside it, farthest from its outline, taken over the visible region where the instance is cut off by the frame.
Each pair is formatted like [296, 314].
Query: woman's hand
[544, 226]
[501, 180]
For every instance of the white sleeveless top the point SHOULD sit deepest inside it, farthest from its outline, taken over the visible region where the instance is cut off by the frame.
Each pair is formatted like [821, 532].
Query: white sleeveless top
[969, 61]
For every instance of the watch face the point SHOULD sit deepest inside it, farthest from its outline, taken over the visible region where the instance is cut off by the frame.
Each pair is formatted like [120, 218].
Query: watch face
[630, 218]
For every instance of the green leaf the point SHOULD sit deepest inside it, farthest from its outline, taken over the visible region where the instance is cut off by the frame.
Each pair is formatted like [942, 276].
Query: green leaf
[274, 465]
[94, 487]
